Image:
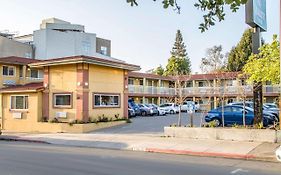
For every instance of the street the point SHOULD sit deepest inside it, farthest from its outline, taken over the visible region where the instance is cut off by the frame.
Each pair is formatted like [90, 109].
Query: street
[152, 124]
[18, 158]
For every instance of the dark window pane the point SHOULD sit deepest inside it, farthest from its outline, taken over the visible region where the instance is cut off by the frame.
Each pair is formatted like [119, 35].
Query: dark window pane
[5, 70]
[63, 100]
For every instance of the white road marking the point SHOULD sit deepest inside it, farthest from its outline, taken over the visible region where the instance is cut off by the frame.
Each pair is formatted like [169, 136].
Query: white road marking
[239, 170]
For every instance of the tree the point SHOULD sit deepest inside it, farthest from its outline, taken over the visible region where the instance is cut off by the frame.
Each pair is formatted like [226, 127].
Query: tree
[240, 54]
[214, 9]
[179, 62]
[159, 70]
[214, 60]
[265, 66]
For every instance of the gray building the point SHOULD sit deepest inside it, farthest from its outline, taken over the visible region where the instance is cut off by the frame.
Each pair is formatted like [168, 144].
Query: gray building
[11, 47]
[58, 38]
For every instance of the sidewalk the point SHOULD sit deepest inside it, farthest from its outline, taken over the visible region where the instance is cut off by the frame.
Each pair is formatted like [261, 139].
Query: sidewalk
[155, 143]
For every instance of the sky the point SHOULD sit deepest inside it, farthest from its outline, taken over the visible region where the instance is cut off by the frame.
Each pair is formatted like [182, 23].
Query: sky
[142, 35]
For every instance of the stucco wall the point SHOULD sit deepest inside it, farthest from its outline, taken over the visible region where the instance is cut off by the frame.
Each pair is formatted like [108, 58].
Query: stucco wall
[62, 79]
[14, 48]
[29, 117]
[53, 44]
[105, 80]
[14, 78]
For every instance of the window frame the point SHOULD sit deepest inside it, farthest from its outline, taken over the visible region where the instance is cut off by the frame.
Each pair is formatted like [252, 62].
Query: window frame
[63, 106]
[14, 71]
[25, 108]
[106, 94]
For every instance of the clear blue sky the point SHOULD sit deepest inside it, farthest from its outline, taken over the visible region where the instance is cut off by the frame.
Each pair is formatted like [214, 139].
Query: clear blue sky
[142, 35]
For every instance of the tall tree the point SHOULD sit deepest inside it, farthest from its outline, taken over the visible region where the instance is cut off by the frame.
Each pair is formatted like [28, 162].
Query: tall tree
[265, 66]
[179, 62]
[240, 54]
[214, 9]
[214, 60]
[159, 70]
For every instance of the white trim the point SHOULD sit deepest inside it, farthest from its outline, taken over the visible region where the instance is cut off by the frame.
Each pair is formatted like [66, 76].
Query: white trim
[62, 106]
[109, 95]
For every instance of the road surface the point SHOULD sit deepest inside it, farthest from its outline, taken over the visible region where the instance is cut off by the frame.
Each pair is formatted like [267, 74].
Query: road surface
[18, 158]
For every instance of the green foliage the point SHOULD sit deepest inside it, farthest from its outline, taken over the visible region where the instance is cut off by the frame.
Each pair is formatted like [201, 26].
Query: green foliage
[265, 66]
[214, 60]
[240, 54]
[214, 9]
[159, 70]
[179, 63]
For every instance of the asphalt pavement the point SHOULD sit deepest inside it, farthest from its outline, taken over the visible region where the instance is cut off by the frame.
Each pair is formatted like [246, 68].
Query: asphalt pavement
[41, 159]
[152, 124]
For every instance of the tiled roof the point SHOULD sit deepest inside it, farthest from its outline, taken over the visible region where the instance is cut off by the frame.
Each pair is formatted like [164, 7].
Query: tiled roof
[210, 76]
[17, 60]
[86, 59]
[23, 88]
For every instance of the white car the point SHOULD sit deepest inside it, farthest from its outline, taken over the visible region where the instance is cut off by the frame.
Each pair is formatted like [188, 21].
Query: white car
[278, 154]
[169, 108]
[188, 104]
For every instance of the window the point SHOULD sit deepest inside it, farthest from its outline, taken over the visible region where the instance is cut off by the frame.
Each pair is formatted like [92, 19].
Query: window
[35, 73]
[8, 70]
[141, 82]
[19, 102]
[62, 100]
[104, 100]
[21, 71]
[103, 50]
[131, 81]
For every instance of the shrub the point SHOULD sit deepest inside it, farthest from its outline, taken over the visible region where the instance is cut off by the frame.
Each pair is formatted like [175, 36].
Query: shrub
[54, 120]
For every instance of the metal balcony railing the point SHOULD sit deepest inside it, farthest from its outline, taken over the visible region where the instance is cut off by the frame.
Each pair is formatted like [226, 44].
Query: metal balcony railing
[224, 90]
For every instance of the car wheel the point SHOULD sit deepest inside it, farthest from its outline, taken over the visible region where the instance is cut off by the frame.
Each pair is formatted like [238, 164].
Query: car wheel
[217, 122]
[143, 113]
[172, 112]
[158, 113]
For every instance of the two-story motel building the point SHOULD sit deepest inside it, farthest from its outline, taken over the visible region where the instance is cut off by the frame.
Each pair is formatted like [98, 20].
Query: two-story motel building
[83, 87]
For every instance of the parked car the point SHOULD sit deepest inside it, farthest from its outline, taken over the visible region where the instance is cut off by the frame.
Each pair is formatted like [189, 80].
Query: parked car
[134, 106]
[159, 110]
[278, 154]
[271, 105]
[131, 112]
[152, 108]
[190, 104]
[144, 110]
[170, 108]
[265, 108]
[233, 114]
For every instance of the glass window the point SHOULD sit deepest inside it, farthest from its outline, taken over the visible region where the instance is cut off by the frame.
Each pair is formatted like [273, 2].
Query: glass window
[34, 73]
[131, 81]
[103, 50]
[62, 100]
[19, 102]
[8, 70]
[141, 82]
[236, 109]
[104, 100]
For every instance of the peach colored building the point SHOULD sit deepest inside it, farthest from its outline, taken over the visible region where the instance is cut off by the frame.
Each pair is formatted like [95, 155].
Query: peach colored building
[71, 88]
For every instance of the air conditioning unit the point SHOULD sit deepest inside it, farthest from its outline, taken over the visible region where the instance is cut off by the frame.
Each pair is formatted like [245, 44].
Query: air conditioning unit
[61, 115]
[17, 115]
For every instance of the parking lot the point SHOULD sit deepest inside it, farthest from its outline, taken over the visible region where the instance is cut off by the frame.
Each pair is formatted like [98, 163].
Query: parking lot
[152, 124]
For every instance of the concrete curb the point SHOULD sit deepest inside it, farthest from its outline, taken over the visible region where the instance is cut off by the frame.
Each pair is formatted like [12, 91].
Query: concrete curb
[212, 154]
[17, 139]
[206, 154]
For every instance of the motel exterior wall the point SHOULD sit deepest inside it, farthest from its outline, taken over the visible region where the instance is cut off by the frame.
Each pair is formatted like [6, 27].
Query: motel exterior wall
[30, 116]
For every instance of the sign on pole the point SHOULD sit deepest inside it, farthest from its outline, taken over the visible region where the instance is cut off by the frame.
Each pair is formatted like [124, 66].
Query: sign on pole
[256, 14]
